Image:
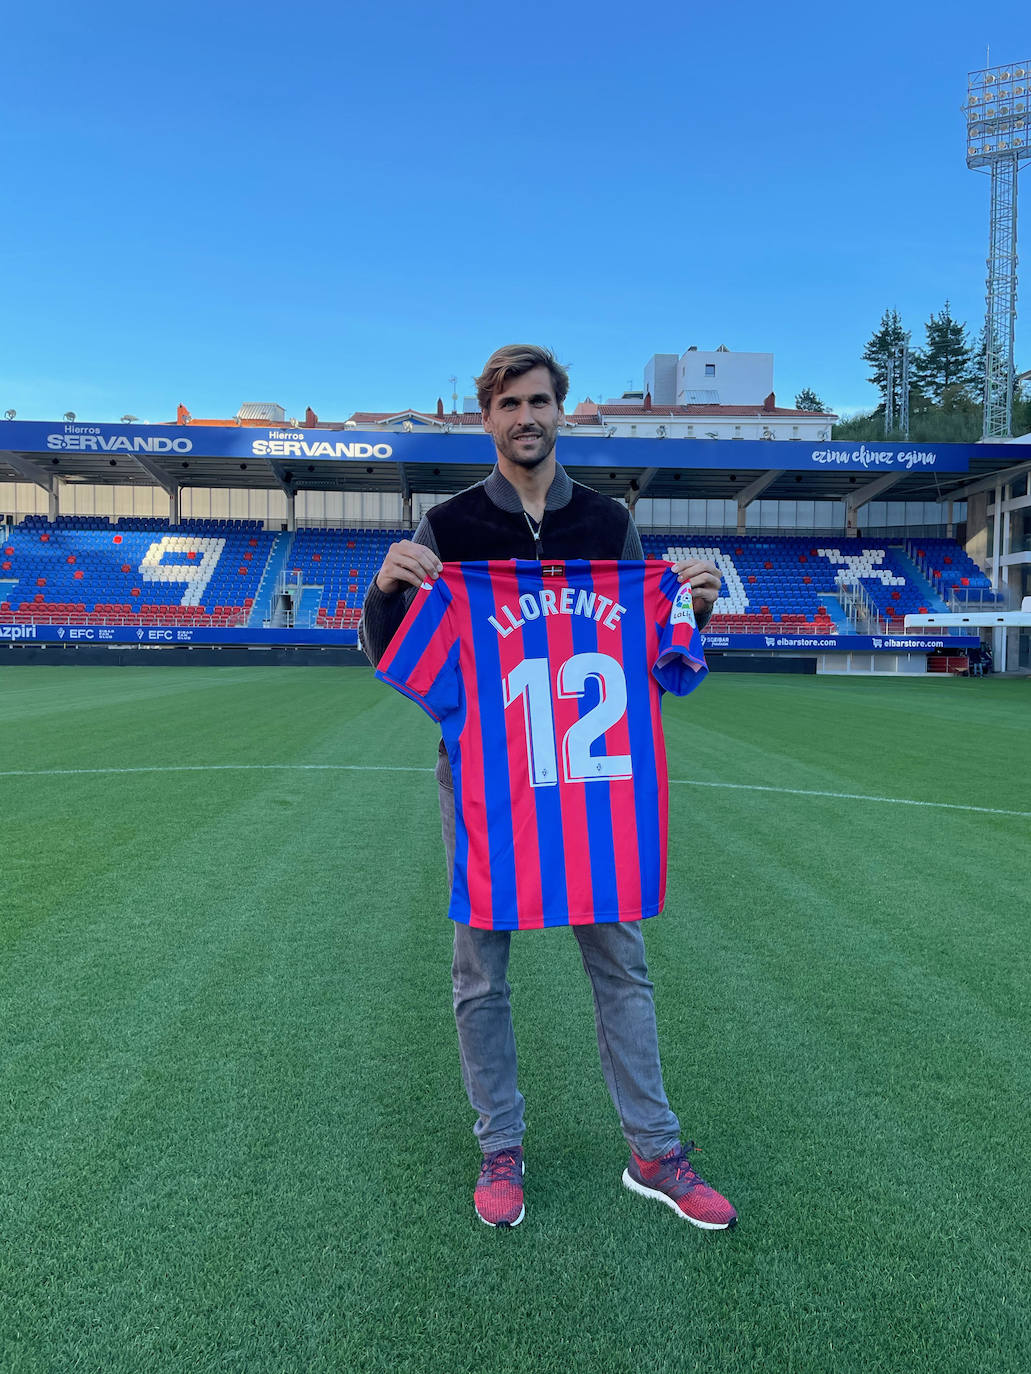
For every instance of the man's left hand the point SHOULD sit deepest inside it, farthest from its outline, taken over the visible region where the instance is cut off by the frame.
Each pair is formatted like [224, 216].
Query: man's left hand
[705, 581]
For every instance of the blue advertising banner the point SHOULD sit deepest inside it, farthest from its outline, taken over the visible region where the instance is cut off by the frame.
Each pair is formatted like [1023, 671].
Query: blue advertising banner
[167, 634]
[162, 442]
[160, 635]
[887, 644]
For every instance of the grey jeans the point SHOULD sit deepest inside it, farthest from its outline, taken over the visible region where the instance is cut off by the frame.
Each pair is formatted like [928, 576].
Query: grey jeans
[624, 1017]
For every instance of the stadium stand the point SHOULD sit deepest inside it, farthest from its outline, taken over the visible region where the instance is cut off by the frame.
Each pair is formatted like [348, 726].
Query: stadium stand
[952, 572]
[790, 583]
[342, 563]
[134, 571]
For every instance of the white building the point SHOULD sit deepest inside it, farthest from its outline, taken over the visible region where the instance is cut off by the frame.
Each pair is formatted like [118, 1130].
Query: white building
[717, 395]
[717, 378]
[702, 395]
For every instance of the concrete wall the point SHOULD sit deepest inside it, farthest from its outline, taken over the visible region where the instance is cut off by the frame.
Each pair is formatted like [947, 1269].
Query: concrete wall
[739, 378]
[660, 378]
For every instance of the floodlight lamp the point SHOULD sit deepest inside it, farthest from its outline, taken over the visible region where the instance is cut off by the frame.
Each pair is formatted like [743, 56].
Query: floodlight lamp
[10, 414]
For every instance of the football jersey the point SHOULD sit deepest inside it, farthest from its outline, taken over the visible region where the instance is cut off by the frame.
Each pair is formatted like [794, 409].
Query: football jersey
[547, 679]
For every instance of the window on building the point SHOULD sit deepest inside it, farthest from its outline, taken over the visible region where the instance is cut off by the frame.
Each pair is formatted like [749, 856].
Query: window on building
[710, 369]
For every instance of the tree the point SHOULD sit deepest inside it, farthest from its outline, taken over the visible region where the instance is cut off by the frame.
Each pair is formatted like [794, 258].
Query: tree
[879, 349]
[944, 363]
[807, 399]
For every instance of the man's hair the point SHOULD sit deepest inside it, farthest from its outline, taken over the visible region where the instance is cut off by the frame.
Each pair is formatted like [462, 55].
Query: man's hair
[512, 361]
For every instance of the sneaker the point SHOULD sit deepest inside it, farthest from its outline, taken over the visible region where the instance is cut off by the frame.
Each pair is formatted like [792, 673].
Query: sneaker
[499, 1189]
[672, 1180]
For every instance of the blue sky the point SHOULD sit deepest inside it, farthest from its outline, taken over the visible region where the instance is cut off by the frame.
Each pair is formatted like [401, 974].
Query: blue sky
[343, 206]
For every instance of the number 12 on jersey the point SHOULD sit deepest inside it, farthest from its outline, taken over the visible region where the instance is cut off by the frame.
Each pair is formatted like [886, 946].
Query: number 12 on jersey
[531, 680]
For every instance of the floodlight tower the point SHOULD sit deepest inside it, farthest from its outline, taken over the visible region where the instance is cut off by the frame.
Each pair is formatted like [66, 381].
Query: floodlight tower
[996, 111]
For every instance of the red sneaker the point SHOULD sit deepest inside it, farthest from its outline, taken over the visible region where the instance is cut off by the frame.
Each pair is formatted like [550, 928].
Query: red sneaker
[672, 1180]
[499, 1189]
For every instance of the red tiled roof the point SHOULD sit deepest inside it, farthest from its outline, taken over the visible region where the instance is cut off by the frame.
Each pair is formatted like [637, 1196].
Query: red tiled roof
[670, 412]
[598, 414]
[240, 424]
[374, 417]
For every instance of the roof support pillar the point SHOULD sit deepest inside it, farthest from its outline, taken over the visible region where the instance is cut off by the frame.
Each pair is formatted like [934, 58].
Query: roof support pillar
[637, 488]
[406, 496]
[858, 499]
[749, 493]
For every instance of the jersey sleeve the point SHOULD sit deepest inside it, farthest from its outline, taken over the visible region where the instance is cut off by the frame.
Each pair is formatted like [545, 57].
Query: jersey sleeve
[422, 658]
[680, 661]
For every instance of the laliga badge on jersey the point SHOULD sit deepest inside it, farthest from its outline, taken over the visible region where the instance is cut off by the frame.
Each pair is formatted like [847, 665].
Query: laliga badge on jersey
[683, 607]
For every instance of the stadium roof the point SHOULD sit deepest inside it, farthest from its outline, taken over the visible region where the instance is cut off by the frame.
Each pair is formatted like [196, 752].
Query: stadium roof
[432, 459]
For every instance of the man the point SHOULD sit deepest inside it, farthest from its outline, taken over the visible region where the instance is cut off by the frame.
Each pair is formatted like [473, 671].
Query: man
[529, 508]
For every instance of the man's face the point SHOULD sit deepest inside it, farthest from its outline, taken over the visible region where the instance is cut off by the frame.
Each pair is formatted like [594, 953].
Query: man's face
[524, 418]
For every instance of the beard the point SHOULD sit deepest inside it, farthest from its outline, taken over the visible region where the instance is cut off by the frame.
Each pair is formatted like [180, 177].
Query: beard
[527, 457]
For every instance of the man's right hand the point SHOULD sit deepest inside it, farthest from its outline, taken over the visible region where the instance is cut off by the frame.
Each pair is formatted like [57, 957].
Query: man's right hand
[407, 565]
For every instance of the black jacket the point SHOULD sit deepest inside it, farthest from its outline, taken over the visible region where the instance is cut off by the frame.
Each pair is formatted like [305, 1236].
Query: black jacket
[488, 521]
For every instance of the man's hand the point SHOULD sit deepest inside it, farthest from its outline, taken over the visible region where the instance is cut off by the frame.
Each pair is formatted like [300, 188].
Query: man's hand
[407, 565]
[705, 581]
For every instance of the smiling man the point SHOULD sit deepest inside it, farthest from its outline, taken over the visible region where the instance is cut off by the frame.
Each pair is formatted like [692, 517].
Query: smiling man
[529, 508]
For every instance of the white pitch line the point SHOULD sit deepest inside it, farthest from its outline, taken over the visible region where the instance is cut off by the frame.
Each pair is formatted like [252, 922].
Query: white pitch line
[850, 796]
[402, 768]
[215, 768]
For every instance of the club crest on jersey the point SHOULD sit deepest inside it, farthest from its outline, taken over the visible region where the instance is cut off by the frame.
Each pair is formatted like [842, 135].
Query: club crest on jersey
[683, 607]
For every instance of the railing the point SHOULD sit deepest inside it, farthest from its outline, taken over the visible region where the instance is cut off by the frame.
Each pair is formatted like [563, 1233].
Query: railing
[858, 607]
[978, 599]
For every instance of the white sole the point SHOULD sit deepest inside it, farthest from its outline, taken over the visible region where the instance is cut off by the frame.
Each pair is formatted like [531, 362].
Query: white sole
[635, 1187]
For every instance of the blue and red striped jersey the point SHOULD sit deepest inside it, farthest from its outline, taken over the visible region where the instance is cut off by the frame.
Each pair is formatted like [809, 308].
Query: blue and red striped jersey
[547, 680]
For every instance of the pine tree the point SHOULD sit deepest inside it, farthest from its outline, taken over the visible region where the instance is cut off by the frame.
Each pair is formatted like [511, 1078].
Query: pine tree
[807, 399]
[944, 363]
[879, 349]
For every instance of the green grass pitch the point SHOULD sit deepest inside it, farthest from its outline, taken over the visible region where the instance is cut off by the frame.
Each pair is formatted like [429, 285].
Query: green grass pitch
[234, 1132]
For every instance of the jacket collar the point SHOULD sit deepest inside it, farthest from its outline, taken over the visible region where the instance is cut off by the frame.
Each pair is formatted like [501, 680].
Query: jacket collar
[504, 495]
